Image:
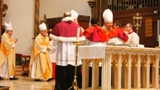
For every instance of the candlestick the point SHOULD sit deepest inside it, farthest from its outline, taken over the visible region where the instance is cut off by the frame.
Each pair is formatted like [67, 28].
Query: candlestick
[78, 33]
[77, 43]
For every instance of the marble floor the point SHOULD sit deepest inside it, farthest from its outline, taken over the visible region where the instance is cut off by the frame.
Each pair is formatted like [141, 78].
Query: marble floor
[26, 83]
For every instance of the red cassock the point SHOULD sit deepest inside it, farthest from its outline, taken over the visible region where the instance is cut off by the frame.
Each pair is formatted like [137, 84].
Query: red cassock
[66, 30]
[95, 34]
[118, 32]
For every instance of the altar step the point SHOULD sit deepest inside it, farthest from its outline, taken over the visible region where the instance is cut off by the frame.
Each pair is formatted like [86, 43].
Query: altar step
[19, 70]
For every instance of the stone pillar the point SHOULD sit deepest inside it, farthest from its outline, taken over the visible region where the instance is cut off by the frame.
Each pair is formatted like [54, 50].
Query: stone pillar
[92, 4]
[36, 18]
[1, 4]
[96, 9]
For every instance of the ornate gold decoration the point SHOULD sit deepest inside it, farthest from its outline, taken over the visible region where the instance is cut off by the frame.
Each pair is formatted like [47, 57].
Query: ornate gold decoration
[144, 59]
[141, 50]
[132, 50]
[90, 60]
[150, 51]
[134, 58]
[153, 59]
[115, 58]
[100, 60]
[137, 21]
[87, 61]
[111, 49]
[97, 63]
[125, 58]
[122, 49]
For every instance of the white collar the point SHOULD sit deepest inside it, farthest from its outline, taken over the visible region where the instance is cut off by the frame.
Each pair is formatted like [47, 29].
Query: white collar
[67, 19]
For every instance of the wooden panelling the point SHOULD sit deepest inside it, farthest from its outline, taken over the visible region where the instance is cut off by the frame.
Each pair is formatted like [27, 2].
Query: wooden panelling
[82, 20]
[126, 16]
[147, 36]
[148, 27]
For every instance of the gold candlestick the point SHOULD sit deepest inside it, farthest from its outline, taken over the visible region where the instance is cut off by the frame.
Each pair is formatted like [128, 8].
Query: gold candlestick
[74, 83]
[77, 43]
[137, 21]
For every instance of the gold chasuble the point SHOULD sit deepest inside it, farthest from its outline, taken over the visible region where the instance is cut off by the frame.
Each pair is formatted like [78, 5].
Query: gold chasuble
[7, 52]
[40, 63]
[107, 30]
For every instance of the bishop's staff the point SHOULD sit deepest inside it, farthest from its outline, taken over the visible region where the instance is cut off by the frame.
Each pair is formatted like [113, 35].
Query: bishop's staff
[77, 43]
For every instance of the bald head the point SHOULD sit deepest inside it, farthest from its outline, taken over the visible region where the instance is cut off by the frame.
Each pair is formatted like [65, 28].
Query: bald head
[67, 14]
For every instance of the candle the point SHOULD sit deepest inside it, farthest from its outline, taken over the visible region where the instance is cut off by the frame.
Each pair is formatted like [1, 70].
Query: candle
[159, 40]
[78, 33]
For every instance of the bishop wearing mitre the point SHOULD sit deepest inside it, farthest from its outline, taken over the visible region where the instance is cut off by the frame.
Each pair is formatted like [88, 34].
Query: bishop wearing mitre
[40, 64]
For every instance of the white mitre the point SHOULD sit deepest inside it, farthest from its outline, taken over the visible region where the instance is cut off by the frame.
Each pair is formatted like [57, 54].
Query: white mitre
[74, 14]
[42, 27]
[108, 15]
[8, 26]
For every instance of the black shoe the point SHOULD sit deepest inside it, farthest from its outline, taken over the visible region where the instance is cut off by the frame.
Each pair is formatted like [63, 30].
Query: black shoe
[37, 80]
[1, 78]
[50, 79]
[14, 78]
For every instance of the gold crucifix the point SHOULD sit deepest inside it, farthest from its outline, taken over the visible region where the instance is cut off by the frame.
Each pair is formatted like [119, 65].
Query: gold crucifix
[137, 21]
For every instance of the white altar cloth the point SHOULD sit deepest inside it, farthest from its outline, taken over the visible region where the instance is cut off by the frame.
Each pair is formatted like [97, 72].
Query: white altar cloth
[91, 52]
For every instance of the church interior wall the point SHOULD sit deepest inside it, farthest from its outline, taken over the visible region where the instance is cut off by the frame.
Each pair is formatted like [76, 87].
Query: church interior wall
[21, 14]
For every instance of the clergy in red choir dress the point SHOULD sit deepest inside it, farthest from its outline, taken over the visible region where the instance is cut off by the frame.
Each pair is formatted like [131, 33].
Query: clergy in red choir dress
[117, 31]
[95, 34]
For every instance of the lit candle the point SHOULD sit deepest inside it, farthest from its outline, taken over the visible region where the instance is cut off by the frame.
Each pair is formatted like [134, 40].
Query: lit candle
[78, 33]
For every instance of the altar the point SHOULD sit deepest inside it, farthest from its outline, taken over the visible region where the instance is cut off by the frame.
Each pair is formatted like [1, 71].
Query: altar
[122, 67]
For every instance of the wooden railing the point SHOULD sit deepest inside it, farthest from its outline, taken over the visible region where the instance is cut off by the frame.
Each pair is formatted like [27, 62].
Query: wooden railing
[116, 5]
[122, 67]
[23, 61]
